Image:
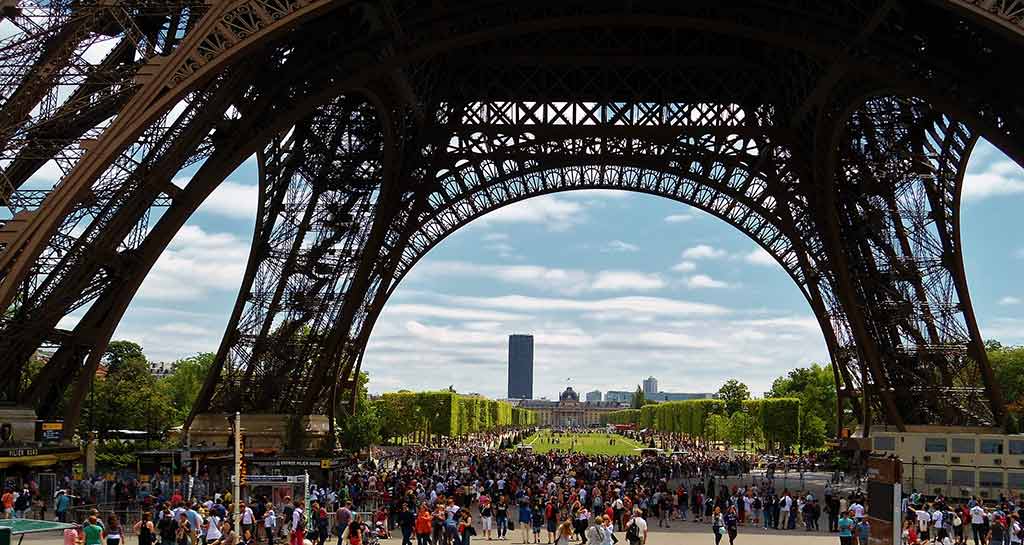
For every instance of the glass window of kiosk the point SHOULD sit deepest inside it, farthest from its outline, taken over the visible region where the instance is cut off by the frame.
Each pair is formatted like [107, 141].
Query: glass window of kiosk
[963, 445]
[935, 444]
[991, 446]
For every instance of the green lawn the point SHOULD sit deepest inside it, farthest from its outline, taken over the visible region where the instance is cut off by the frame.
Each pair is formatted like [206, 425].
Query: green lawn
[586, 443]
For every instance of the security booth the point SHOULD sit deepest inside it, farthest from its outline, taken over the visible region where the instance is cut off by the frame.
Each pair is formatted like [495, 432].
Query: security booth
[276, 487]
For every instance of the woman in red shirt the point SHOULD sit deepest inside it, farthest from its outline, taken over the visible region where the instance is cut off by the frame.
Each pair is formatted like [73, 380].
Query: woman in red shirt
[424, 520]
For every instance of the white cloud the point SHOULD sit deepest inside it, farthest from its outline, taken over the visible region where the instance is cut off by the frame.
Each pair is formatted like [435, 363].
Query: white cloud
[420, 311]
[495, 237]
[703, 251]
[1010, 300]
[637, 304]
[620, 246]
[685, 266]
[700, 281]
[1001, 177]
[557, 280]
[680, 218]
[626, 280]
[593, 344]
[759, 256]
[555, 212]
[195, 264]
[233, 200]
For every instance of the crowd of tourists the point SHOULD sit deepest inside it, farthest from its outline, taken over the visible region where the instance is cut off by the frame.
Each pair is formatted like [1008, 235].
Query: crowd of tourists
[452, 492]
[976, 521]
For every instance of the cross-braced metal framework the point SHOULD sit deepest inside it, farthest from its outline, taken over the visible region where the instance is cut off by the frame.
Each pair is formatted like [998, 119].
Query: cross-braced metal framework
[834, 135]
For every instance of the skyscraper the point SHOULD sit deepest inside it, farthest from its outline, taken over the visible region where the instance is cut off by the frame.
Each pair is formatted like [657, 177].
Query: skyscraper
[594, 396]
[650, 385]
[520, 366]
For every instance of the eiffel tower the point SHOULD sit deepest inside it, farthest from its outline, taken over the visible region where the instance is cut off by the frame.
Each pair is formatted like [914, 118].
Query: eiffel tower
[834, 134]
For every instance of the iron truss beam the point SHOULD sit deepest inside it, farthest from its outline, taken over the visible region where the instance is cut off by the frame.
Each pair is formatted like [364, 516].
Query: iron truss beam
[384, 127]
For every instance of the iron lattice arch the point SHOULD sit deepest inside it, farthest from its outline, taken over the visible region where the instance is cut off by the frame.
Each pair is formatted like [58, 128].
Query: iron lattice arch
[833, 135]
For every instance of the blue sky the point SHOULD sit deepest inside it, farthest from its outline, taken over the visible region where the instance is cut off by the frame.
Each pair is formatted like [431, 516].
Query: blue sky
[614, 286]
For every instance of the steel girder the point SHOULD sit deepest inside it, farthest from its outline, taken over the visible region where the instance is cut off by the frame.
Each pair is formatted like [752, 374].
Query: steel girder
[485, 105]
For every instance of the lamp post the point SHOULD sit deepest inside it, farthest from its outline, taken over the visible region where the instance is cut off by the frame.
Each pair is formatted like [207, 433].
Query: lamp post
[238, 472]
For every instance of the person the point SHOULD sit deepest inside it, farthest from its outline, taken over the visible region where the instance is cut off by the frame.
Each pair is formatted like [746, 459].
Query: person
[406, 522]
[565, 532]
[731, 524]
[145, 530]
[466, 530]
[1015, 529]
[228, 535]
[213, 533]
[486, 518]
[595, 532]
[112, 533]
[551, 519]
[298, 526]
[537, 522]
[168, 527]
[638, 535]
[501, 517]
[845, 525]
[525, 514]
[718, 524]
[183, 533]
[423, 524]
[342, 518]
[92, 532]
[978, 522]
[247, 538]
[323, 527]
[61, 505]
[863, 531]
[269, 523]
[353, 534]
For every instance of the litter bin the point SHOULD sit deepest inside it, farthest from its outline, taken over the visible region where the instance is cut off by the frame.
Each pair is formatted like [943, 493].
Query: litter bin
[5, 535]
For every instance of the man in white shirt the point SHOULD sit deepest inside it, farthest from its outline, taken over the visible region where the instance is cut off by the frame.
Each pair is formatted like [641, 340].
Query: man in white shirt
[858, 511]
[978, 521]
[786, 505]
[923, 520]
[641, 526]
[248, 519]
[212, 528]
[937, 523]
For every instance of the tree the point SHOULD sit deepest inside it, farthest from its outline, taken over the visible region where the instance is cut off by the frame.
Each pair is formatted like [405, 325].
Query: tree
[717, 427]
[639, 400]
[733, 393]
[359, 428]
[815, 387]
[812, 432]
[185, 380]
[742, 428]
[1008, 366]
[121, 352]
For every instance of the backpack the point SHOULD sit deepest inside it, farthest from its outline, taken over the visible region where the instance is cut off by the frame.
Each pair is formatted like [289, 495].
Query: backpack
[633, 533]
[301, 526]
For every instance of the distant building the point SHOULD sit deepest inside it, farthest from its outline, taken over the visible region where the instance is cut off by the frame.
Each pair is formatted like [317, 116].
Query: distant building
[594, 396]
[160, 369]
[569, 411]
[618, 396]
[520, 366]
[678, 396]
[650, 386]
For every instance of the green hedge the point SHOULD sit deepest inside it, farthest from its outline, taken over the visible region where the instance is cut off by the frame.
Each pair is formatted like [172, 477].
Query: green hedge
[447, 414]
[776, 419]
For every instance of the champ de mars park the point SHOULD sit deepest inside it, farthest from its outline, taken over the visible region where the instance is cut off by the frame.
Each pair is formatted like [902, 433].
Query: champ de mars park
[393, 271]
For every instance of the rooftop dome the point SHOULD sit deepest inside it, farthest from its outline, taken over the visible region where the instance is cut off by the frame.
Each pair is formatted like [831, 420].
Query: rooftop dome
[569, 395]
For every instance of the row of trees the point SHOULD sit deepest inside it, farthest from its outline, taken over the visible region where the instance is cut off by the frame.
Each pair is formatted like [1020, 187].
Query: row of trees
[772, 422]
[422, 416]
[126, 395]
